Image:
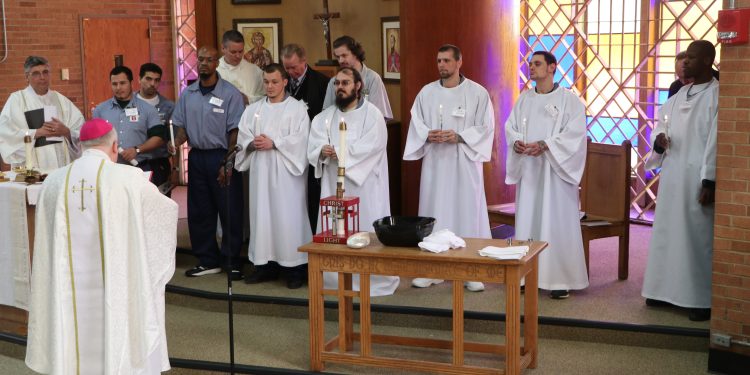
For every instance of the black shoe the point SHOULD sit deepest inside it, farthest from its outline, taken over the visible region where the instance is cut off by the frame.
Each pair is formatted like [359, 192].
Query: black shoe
[295, 282]
[559, 294]
[261, 274]
[202, 271]
[699, 315]
[657, 303]
[236, 275]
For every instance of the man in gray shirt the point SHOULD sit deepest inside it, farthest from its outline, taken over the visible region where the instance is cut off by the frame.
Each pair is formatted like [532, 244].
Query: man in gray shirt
[150, 78]
[140, 132]
[207, 115]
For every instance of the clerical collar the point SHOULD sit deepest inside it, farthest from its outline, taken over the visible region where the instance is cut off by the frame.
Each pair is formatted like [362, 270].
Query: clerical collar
[554, 87]
[461, 80]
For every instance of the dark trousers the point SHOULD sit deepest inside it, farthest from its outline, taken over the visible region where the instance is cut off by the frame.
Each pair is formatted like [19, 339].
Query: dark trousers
[160, 169]
[313, 198]
[206, 199]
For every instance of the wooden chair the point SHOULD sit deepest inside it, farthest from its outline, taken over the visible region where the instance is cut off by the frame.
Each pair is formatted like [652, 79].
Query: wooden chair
[605, 196]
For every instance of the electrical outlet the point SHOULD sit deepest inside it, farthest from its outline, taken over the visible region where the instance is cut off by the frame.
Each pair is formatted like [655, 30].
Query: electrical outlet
[721, 339]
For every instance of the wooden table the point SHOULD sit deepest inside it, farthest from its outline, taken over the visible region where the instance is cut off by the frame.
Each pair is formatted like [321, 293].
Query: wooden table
[457, 265]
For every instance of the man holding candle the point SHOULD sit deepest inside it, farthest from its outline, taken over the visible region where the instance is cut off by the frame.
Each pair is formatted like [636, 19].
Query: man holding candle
[308, 86]
[273, 133]
[140, 131]
[351, 54]
[150, 78]
[207, 115]
[361, 150]
[685, 148]
[56, 139]
[451, 130]
[546, 137]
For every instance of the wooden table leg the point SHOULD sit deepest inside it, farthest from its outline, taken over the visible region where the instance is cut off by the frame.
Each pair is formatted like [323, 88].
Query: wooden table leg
[512, 321]
[317, 321]
[531, 312]
[365, 339]
[458, 322]
[346, 313]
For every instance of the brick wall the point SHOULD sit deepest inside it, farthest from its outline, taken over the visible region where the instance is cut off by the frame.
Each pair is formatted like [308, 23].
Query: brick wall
[731, 263]
[51, 28]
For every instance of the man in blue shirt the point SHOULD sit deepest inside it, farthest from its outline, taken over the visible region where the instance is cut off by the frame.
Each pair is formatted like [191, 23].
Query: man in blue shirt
[207, 115]
[139, 130]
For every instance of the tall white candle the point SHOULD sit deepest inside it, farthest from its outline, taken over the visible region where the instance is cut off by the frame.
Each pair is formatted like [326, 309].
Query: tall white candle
[171, 136]
[328, 131]
[342, 143]
[255, 124]
[666, 131]
[441, 116]
[524, 130]
[29, 151]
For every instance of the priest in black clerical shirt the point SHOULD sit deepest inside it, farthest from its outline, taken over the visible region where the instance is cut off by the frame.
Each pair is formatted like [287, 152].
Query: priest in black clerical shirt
[309, 86]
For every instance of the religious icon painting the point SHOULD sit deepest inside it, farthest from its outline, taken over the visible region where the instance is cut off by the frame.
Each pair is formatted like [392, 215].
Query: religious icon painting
[262, 39]
[391, 45]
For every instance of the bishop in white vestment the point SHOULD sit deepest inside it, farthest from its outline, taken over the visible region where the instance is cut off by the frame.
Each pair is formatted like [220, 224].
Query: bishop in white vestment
[451, 130]
[366, 164]
[103, 252]
[546, 135]
[65, 118]
[680, 254]
[273, 133]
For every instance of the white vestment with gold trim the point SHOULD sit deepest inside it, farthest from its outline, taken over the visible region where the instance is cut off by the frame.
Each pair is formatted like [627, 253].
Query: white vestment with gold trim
[103, 252]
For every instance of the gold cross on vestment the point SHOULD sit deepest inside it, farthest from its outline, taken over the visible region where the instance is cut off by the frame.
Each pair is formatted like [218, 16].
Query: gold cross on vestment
[83, 189]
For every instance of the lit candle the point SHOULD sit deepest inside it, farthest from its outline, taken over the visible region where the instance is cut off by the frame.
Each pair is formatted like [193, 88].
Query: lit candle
[29, 150]
[171, 136]
[255, 124]
[328, 131]
[342, 143]
[441, 116]
[523, 129]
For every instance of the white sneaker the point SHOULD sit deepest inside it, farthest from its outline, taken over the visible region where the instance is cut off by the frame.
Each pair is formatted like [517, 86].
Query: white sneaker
[474, 286]
[424, 283]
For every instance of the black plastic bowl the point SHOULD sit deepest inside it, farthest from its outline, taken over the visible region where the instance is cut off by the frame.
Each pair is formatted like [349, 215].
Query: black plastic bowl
[405, 231]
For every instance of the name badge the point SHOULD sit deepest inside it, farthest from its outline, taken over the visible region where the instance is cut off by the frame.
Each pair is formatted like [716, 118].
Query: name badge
[459, 112]
[216, 101]
[130, 112]
[133, 118]
[218, 110]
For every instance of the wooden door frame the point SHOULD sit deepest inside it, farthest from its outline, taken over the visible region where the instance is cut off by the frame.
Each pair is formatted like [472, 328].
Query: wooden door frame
[81, 17]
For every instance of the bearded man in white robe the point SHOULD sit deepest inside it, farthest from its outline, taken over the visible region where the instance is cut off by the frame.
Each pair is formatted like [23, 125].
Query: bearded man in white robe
[546, 133]
[351, 54]
[57, 138]
[451, 130]
[365, 161]
[273, 133]
[104, 250]
[678, 271]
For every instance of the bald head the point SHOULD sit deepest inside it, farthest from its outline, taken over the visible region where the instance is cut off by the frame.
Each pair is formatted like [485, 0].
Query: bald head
[208, 61]
[700, 58]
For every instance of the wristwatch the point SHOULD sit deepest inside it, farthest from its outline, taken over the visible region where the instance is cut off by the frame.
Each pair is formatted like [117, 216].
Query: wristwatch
[137, 150]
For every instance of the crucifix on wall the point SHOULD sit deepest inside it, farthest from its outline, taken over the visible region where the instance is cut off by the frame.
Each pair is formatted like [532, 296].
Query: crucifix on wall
[326, 18]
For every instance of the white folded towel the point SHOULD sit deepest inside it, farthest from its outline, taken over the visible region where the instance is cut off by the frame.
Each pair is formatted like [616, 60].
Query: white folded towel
[504, 253]
[440, 241]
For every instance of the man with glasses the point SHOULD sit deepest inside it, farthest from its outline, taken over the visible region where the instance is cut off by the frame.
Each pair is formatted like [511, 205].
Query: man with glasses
[207, 116]
[364, 159]
[246, 77]
[50, 118]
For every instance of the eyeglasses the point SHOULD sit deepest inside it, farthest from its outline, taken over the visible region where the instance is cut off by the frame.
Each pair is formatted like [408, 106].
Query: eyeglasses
[207, 59]
[38, 74]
